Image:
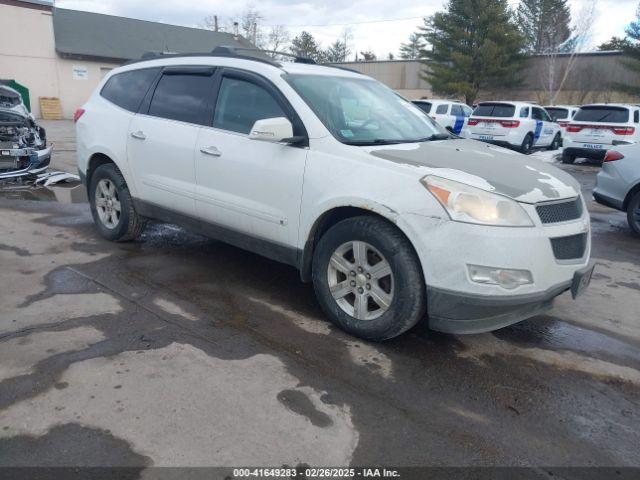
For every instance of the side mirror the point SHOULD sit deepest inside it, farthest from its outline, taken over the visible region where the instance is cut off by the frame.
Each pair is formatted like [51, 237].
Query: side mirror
[275, 130]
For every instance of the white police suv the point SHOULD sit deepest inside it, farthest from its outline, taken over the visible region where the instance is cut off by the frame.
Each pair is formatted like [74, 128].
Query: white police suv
[599, 127]
[519, 125]
[563, 114]
[449, 114]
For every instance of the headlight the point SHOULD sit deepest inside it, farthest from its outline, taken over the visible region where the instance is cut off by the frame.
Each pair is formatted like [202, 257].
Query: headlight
[468, 204]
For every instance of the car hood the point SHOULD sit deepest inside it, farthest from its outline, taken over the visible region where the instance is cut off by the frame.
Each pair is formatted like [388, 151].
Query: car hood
[485, 166]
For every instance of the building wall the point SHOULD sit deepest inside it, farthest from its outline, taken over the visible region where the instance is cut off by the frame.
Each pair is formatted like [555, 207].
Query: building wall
[401, 75]
[27, 55]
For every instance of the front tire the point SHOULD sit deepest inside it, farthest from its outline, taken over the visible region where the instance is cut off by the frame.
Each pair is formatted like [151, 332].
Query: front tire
[527, 144]
[368, 279]
[568, 159]
[633, 213]
[111, 205]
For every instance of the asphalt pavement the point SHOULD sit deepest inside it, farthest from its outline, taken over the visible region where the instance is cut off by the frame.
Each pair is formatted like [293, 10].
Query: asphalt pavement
[177, 350]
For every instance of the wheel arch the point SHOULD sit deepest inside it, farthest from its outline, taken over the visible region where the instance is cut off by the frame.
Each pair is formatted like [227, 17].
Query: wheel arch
[96, 160]
[630, 195]
[336, 214]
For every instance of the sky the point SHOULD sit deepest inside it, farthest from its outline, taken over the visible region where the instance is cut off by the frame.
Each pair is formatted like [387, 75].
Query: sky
[328, 19]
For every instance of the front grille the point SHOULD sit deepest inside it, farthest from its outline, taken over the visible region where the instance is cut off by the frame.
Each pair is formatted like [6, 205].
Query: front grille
[560, 212]
[569, 248]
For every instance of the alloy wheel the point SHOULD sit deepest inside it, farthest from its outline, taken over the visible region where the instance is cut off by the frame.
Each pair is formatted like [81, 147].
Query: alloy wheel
[108, 203]
[360, 280]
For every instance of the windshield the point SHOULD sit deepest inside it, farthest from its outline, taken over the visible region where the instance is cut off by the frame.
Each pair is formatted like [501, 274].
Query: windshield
[504, 110]
[559, 113]
[364, 112]
[602, 114]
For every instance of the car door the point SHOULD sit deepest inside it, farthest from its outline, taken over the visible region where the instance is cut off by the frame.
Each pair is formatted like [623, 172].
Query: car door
[459, 118]
[543, 133]
[249, 186]
[162, 137]
[442, 116]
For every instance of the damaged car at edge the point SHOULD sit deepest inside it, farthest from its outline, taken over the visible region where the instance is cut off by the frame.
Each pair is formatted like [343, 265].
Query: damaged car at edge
[23, 143]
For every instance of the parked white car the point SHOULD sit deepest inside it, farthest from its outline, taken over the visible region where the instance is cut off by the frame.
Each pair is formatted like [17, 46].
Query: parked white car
[599, 127]
[391, 217]
[519, 125]
[563, 114]
[449, 114]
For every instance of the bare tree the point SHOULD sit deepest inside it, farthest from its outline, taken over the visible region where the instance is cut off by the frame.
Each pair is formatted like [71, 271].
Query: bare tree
[559, 62]
[210, 22]
[277, 39]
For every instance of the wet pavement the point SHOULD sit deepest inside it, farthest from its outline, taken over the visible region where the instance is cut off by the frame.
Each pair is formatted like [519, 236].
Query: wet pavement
[176, 350]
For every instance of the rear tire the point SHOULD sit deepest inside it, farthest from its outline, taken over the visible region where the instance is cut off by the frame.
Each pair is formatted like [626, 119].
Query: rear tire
[527, 144]
[555, 145]
[568, 159]
[389, 270]
[633, 213]
[112, 206]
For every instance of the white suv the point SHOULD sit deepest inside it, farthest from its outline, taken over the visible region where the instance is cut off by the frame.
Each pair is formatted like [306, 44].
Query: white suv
[599, 127]
[523, 126]
[392, 218]
[449, 114]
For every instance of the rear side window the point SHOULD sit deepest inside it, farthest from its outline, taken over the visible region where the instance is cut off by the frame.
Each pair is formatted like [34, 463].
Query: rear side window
[424, 106]
[182, 97]
[241, 104]
[559, 113]
[442, 109]
[503, 110]
[602, 114]
[456, 111]
[127, 90]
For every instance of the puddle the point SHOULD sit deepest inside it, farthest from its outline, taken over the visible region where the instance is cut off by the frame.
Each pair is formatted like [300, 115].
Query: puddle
[552, 334]
[66, 193]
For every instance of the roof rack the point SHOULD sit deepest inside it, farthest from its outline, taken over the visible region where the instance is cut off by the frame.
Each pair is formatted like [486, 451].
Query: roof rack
[228, 51]
[233, 52]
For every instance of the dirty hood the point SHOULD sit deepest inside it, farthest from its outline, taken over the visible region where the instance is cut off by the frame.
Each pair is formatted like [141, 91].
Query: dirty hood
[485, 166]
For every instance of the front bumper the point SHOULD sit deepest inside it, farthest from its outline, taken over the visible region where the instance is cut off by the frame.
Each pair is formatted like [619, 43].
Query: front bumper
[28, 162]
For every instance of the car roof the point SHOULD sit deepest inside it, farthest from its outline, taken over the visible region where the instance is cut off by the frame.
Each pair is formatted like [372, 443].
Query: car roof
[616, 105]
[437, 101]
[510, 102]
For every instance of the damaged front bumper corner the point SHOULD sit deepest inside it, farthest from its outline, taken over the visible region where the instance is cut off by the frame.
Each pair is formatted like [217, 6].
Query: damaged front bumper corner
[23, 162]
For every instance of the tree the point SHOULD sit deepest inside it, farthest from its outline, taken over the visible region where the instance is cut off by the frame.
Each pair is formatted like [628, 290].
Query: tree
[277, 39]
[475, 45]
[337, 52]
[614, 43]
[544, 24]
[411, 50]
[304, 45]
[368, 56]
[632, 53]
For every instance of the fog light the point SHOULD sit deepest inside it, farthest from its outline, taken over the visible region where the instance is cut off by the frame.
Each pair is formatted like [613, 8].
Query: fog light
[504, 277]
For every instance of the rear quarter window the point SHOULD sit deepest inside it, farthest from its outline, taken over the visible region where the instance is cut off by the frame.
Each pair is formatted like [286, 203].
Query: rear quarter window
[602, 114]
[127, 90]
[502, 110]
[424, 106]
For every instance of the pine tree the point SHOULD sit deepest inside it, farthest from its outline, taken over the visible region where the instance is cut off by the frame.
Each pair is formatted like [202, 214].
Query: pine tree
[631, 52]
[545, 24]
[411, 50]
[304, 45]
[474, 45]
[337, 52]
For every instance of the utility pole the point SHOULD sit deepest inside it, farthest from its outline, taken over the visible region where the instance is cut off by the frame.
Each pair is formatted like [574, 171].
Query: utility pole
[215, 23]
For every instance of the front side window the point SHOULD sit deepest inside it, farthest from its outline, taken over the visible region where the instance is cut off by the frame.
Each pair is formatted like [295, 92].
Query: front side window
[241, 104]
[182, 97]
[537, 114]
[501, 110]
[442, 109]
[602, 114]
[468, 111]
[127, 90]
[359, 111]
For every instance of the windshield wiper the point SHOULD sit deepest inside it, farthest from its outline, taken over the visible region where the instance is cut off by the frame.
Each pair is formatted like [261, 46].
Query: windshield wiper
[376, 141]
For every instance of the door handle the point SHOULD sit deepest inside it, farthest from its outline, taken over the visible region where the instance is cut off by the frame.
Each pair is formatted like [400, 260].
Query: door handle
[213, 151]
[139, 135]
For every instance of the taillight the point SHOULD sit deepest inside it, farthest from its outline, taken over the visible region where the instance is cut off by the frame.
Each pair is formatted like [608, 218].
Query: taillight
[574, 128]
[510, 123]
[78, 113]
[612, 156]
[623, 131]
[473, 122]
[563, 124]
